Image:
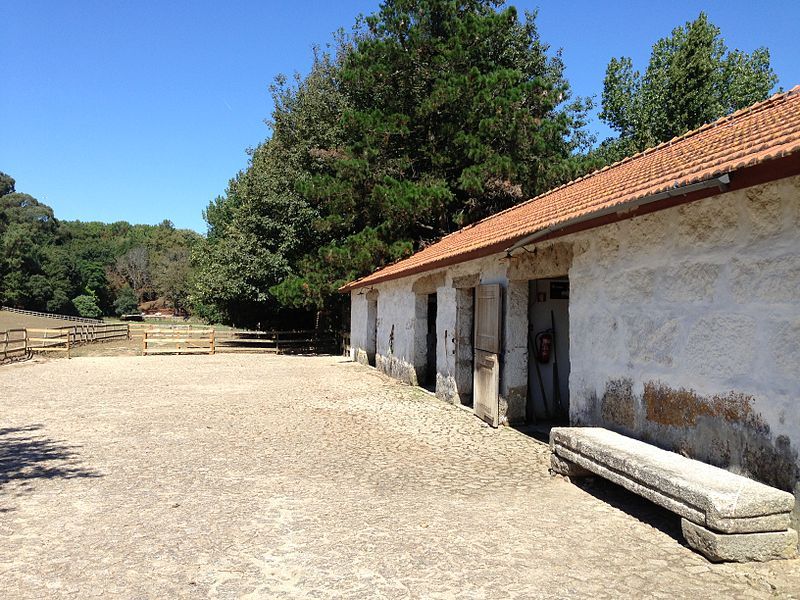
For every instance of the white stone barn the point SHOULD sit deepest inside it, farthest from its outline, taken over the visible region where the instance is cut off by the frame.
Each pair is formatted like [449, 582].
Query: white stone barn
[671, 281]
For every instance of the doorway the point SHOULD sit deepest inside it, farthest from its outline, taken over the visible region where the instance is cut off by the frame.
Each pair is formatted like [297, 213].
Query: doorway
[548, 352]
[465, 332]
[430, 344]
[372, 330]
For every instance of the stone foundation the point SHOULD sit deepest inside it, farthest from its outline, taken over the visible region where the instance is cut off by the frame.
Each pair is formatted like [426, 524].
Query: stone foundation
[397, 368]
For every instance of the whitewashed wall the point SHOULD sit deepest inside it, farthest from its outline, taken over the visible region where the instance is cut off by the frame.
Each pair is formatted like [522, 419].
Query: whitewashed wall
[398, 321]
[685, 330]
[358, 327]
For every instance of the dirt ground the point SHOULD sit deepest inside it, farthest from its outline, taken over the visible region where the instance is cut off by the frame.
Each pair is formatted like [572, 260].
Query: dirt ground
[12, 320]
[262, 476]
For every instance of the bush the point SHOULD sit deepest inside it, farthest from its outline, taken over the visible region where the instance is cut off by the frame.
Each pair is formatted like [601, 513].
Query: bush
[87, 307]
[126, 301]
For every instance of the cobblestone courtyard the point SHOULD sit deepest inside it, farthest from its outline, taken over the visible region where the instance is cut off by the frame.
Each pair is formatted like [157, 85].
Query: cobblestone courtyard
[288, 477]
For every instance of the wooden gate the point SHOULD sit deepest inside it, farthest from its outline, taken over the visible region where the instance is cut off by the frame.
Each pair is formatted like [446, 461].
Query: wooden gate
[486, 384]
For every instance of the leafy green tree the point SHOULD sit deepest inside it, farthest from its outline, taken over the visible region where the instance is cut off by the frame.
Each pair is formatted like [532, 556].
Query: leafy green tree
[7, 184]
[126, 302]
[265, 224]
[172, 274]
[44, 262]
[455, 110]
[86, 305]
[692, 79]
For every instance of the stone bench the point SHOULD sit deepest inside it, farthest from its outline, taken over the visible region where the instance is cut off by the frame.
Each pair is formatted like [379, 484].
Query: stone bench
[724, 516]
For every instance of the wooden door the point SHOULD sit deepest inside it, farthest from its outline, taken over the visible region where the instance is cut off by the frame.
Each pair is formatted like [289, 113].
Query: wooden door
[488, 308]
[486, 380]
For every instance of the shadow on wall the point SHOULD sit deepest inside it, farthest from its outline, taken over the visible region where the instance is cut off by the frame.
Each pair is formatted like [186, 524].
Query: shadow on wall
[26, 455]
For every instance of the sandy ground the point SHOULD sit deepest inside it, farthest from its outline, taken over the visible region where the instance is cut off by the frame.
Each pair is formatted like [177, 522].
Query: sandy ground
[12, 320]
[259, 476]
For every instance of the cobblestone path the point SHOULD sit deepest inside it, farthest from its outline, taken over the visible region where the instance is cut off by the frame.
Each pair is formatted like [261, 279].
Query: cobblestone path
[289, 477]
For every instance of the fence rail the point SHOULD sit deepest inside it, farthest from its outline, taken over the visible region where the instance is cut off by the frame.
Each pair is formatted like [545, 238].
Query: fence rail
[280, 342]
[57, 339]
[171, 341]
[34, 313]
[186, 339]
[13, 344]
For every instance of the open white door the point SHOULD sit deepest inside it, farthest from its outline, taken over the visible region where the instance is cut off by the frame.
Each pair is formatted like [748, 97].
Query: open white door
[486, 383]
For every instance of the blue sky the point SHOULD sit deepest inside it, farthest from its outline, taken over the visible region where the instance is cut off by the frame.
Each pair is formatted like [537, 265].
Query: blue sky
[142, 111]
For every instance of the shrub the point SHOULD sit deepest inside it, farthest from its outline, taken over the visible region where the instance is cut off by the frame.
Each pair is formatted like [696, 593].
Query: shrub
[126, 301]
[87, 307]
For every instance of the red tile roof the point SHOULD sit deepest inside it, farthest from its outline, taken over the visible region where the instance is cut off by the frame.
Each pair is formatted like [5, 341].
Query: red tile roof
[767, 130]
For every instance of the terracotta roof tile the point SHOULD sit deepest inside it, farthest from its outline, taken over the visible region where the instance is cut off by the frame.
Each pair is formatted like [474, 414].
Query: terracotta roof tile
[764, 131]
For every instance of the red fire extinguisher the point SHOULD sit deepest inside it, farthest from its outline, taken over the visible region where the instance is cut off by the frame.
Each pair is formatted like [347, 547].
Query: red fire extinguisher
[543, 343]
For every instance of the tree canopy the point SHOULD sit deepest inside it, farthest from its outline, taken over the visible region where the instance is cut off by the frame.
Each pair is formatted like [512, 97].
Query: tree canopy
[428, 116]
[74, 267]
[431, 115]
[692, 79]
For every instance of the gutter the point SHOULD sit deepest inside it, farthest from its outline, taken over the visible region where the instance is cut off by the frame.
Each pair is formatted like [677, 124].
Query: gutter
[721, 182]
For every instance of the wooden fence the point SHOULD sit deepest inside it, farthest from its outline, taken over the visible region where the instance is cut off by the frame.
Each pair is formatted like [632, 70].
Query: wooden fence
[187, 339]
[63, 339]
[13, 345]
[280, 342]
[173, 341]
[34, 313]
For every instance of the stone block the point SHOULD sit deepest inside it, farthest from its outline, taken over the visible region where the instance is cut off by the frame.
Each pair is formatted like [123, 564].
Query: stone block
[446, 389]
[740, 547]
[631, 287]
[618, 405]
[708, 222]
[605, 245]
[514, 400]
[561, 466]
[361, 356]
[466, 281]
[545, 261]
[771, 280]
[648, 233]
[428, 284]
[717, 345]
[764, 206]
[785, 345]
[702, 493]
[651, 340]
[690, 282]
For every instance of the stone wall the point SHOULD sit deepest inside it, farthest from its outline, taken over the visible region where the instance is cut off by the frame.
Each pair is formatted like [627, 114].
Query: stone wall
[402, 325]
[685, 330]
[358, 327]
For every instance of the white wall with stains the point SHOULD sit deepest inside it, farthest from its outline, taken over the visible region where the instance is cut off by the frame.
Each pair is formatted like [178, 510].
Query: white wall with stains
[684, 328]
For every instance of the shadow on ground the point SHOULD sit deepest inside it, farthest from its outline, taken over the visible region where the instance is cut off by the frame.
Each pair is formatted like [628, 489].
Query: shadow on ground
[639, 508]
[26, 454]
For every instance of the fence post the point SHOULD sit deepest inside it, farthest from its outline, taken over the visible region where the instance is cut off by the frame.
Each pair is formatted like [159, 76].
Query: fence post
[212, 342]
[144, 342]
[128, 330]
[69, 336]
